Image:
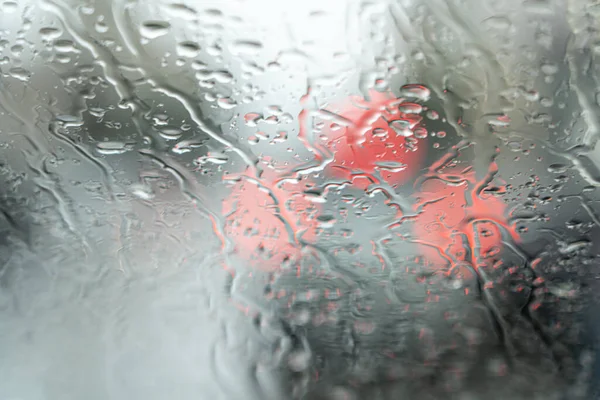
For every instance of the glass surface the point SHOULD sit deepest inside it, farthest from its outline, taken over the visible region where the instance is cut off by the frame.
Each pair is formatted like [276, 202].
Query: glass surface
[281, 199]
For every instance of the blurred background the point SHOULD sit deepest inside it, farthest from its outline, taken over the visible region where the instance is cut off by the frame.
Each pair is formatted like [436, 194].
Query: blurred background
[273, 199]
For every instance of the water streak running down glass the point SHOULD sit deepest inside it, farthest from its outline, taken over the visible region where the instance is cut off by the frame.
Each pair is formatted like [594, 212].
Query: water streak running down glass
[268, 199]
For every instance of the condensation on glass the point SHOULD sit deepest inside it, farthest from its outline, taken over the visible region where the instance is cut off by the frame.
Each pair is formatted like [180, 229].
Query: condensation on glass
[280, 199]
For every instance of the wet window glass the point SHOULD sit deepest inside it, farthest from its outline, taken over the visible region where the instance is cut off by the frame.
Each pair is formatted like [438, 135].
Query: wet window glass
[282, 199]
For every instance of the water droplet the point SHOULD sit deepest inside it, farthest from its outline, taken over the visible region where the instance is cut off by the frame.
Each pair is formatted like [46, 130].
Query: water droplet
[214, 158]
[410, 108]
[97, 112]
[154, 29]
[112, 147]
[20, 74]
[500, 23]
[380, 132]
[500, 121]
[433, 115]
[67, 119]
[558, 168]
[401, 127]
[87, 9]
[420, 132]
[226, 103]
[549, 69]
[50, 33]
[224, 77]
[247, 47]
[171, 133]
[10, 6]
[538, 6]
[101, 27]
[17, 49]
[182, 11]
[142, 191]
[415, 91]
[186, 146]
[188, 49]
[391, 166]
[65, 46]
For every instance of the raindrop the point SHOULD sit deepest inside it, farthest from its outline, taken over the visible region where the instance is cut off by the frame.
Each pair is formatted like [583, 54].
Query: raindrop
[214, 158]
[182, 11]
[186, 146]
[401, 127]
[188, 49]
[549, 69]
[101, 27]
[97, 112]
[199, 65]
[558, 168]
[10, 6]
[410, 108]
[245, 47]
[17, 49]
[50, 33]
[142, 191]
[392, 166]
[154, 29]
[112, 148]
[160, 119]
[171, 133]
[226, 103]
[65, 46]
[415, 91]
[499, 23]
[224, 77]
[380, 132]
[87, 9]
[214, 50]
[67, 119]
[538, 6]
[214, 13]
[433, 115]
[20, 74]
[500, 121]
[420, 132]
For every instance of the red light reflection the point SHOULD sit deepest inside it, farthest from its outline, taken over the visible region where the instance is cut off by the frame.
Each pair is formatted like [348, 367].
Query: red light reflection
[455, 221]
